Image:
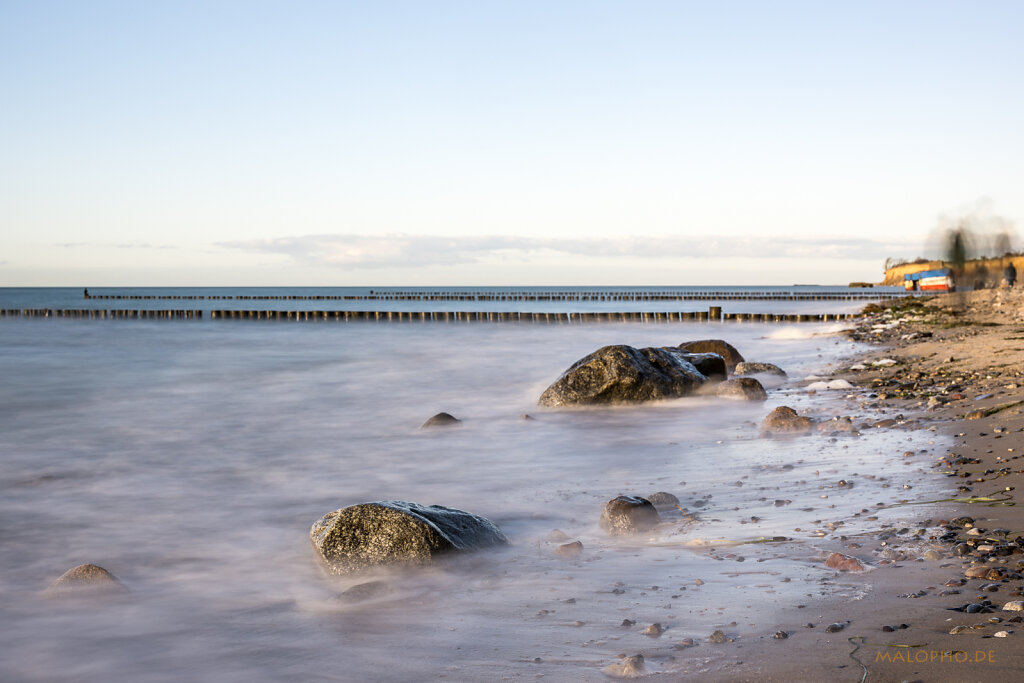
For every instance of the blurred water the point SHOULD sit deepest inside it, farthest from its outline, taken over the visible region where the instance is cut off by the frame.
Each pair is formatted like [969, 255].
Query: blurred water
[190, 460]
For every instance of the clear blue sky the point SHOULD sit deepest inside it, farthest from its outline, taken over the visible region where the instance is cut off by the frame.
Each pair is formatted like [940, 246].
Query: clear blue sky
[517, 142]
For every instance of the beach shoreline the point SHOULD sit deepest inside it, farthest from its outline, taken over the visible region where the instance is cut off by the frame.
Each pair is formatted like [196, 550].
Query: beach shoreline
[948, 363]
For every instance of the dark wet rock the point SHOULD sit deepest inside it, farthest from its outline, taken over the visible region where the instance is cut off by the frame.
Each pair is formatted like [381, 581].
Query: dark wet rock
[627, 667]
[717, 637]
[441, 420]
[86, 580]
[742, 388]
[627, 623]
[962, 522]
[835, 628]
[623, 374]
[397, 532]
[844, 563]
[663, 501]
[745, 368]
[711, 365]
[785, 420]
[569, 551]
[780, 635]
[628, 515]
[366, 591]
[727, 351]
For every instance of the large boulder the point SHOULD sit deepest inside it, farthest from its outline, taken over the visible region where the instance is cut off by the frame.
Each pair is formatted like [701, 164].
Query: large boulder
[623, 374]
[395, 532]
[628, 515]
[742, 389]
[711, 365]
[785, 420]
[723, 348]
[745, 368]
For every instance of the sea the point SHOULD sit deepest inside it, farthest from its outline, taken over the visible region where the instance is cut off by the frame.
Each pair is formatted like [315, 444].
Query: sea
[190, 457]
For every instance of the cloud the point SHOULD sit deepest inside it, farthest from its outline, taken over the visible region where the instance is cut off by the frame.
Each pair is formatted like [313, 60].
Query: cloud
[380, 251]
[110, 245]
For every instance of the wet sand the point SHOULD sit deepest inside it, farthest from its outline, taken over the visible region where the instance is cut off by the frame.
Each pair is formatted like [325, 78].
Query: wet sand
[959, 368]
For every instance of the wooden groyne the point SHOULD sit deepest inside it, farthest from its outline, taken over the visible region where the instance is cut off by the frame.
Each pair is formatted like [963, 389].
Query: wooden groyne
[96, 313]
[594, 296]
[712, 315]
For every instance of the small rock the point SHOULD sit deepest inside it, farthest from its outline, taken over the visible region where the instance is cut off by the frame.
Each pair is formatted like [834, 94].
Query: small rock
[569, 551]
[663, 500]
[1014, 606]
[844, 563]
[741, 388]
[758, 369]
[628, 515]
[627, 667]
[785, 420]
[780, 635]
[835, 628]
[86, 580]
[441, 420]
[557, 536]
[627, 623]
[958, 629]
[717, 637]
[1002, 634]
[654, 630]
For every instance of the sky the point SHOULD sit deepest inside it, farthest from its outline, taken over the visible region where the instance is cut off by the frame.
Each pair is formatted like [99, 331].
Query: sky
[523, 142]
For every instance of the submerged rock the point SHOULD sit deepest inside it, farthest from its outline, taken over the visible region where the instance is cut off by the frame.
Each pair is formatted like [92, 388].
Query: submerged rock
[662, 500]
[569, 551]
[396, 532]
[623, 374]
[785, 420]
[628, 515]
[747, 368]
[366, 591]
[724, 349]
[742, 389]
[86, 580]
[441, 420]
[627, 667]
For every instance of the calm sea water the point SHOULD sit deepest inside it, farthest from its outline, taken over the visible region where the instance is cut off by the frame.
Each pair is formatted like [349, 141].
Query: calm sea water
[191, 458]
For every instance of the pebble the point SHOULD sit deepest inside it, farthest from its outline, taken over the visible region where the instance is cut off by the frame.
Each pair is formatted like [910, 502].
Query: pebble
[1014, 606]
[1002, 634]
[835, 628]
[717, 637]
[780, 635]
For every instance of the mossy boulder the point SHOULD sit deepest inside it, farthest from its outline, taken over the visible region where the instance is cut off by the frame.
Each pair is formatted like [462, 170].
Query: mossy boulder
[396, 532]
[623, 374]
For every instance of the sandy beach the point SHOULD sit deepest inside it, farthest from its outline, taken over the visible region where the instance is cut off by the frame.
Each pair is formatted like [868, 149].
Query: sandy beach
[935, 590]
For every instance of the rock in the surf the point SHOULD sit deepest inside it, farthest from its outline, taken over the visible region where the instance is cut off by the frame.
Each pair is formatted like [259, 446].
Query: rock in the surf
[628, 515]
[441, 420]
[623, 374]
[663, 500]
[747, 368]
[785, 420]
[723, 348]
[397, 533]
[843, 563]
[742, 388]
[86, 580]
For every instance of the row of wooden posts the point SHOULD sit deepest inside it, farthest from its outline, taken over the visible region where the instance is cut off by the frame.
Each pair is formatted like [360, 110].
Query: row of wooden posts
[713, 314]
[513, 296]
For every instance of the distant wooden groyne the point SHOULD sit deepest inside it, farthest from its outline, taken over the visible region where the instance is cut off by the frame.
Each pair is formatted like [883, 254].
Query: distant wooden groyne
[592, 296]
[713, 314]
